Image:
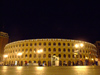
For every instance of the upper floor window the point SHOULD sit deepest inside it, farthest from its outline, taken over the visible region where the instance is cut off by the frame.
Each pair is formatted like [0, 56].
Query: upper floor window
[72, 44]
[44, 43]
[44, 49]
[86, 51]
[72, 50]
[68, 50]
[59, 44]
[76, 56]
[59, 49]
[22, 44]
[83, 56]
[64, 50]
[54, 50]
[64, 44]
[30, 55]
[34, 55]
[26, 50]
[64, 55]
[80, 56]
[30, 44]
[35, 44]
[59, 55]
[26, 55]
[44, 55]
[39, 55]
[68, 55]
[73, 56]
[49, 56]
[30, 49]
[35, 49]
[54, 44]
[49, 44]
[27, 44]
[68, 44]
[49, 49]
[39, 44]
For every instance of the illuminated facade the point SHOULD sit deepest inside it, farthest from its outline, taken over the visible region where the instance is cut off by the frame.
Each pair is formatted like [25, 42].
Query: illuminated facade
[98, 48]
[70, 52]
[3, 41]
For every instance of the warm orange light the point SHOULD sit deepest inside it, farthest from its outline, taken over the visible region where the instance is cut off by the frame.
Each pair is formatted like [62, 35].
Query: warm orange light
[86, 57]
[92, 59]
[19, 54]
[40, 51]
[76, 45]
[81, 45]
[5, 56]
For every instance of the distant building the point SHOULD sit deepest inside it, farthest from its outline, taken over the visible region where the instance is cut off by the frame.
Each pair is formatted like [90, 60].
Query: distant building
[98, 48]
[3, 41]
[67, 51]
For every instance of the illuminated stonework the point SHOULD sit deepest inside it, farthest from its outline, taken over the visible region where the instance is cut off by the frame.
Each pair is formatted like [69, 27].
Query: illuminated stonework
[3, 41]
[63, 48]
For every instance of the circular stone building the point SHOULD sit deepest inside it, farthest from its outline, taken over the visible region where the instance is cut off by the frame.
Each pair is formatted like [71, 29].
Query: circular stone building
[58, 52]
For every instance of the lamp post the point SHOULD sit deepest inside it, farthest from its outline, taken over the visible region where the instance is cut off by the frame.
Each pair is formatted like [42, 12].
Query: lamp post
[39, 51]
[79, 46]
[5, 57]
[19, 54]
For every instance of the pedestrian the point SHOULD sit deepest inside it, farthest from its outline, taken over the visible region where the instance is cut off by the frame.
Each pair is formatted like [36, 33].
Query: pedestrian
[25, 63]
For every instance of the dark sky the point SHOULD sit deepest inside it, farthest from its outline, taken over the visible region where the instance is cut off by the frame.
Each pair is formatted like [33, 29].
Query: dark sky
[44, 19]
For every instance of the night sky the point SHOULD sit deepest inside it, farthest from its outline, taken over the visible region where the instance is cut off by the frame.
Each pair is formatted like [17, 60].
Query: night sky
[47, 19]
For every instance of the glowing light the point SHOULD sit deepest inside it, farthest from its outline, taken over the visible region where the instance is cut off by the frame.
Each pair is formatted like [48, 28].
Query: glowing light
[81, 45]
[5, 56]
[81, 69]
[86, 57]
[92, 59]
[76, 45]
[39, 51]
[19, 68]
[19, 54]
[5, 68]
[40, 68]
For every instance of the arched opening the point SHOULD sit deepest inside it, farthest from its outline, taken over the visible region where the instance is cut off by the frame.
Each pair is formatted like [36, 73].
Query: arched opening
[69, 63]
[60, 63]
[49, 63]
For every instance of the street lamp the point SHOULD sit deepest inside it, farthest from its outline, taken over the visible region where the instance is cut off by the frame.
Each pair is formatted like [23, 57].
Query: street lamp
[39, 51]
[5, 57]
[80, 45]
[19, 54]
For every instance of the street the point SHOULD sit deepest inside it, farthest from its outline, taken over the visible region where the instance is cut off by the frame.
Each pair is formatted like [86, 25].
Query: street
[63, 70]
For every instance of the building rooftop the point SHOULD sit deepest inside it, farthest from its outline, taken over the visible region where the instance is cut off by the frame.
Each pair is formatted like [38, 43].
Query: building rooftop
[3, 34]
